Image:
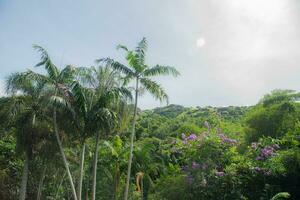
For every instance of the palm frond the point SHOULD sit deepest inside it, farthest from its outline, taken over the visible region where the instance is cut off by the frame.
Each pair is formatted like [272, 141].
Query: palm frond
[125, 80]
[154, 89]
[134, 62]
[122, 47]
[24, 83]
[67, 74]
[141, 50]
[85, 75]
[80, 101]
[104, 117]
[39, 78]
[61, 103]
[126, 93]
[161, 70]
[16, 82]
[116, 66]
[51, 69]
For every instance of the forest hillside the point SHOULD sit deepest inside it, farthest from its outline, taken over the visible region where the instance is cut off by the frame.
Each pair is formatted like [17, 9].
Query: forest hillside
[180, 153]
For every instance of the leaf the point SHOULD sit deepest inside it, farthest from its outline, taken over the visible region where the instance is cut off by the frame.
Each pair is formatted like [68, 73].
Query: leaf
[161, 70]
[113, 151]
[281, 195]
[154, 89]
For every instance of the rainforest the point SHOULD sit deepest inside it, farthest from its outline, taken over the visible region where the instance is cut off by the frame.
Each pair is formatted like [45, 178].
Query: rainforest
[72, 132]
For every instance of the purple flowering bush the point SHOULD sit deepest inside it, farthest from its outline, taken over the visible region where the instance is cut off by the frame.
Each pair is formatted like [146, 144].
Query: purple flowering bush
[214, 166]
[205, 168]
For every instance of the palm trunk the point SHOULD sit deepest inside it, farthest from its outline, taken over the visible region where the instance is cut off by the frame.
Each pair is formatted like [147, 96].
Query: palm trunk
[24, 178]
[132, 141]
[95, 167]
[79, 189]
[40, 188]
[64, 156]
[116, 182]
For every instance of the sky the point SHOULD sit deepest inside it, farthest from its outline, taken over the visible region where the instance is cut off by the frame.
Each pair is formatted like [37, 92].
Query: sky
[229, 52]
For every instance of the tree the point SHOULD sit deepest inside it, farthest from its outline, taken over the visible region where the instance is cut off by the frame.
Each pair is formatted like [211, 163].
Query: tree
[96, 103]
[140, 72]
[273, 116]
[29, 116]
[56, 84]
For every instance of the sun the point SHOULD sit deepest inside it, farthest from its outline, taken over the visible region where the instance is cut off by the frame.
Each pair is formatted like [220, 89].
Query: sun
[200, 42]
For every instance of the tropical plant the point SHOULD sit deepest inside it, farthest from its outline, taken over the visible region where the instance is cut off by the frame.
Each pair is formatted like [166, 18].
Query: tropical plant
[141, 73]
[56, 85]
[97, 103]
[29, 115]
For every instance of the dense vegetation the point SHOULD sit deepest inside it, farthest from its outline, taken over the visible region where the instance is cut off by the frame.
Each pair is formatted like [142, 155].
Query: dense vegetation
[72, 132]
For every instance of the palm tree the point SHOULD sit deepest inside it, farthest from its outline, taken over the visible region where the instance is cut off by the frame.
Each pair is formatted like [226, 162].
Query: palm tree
[140, 72]
[95, 106]
[56, 83]
[29, 117]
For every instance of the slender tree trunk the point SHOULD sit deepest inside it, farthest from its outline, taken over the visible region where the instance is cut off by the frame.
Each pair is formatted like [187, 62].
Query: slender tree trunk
[132, 140]
[95, 167]
[24, 178]
[64, 156]
[116, 182]
[40, 188]
[79, 189]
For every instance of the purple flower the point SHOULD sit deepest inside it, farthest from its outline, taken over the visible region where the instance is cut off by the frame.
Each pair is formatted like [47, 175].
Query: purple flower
[225, 139]
[259, 158]
[266, 152]
[220, 174]
[189, 138]
[192, 137]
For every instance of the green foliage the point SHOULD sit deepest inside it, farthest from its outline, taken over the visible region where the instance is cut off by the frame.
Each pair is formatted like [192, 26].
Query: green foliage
[182, 153]
[281, 195]
[271, 119]
[189, 128]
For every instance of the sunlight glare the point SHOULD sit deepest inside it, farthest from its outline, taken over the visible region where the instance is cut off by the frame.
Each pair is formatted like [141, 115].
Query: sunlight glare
[263, 10]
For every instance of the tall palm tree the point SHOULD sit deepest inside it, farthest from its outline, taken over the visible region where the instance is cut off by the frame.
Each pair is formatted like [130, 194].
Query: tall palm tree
[96, 97]
[28, 114]
[139, 71]
[56, 83]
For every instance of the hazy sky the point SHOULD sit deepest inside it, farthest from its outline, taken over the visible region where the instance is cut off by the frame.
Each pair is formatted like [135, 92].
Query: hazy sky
[229, 52]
